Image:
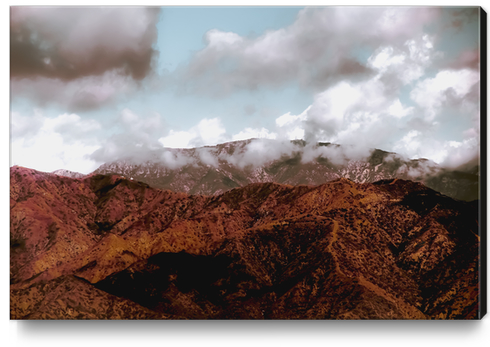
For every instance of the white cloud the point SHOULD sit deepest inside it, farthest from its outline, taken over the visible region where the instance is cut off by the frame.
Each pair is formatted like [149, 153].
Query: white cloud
[206, 132]
[406, 63]
[357, 105]
[134, 137]
[397, 110]
[289, 119]
[210, 132]
[128, 117]
[71, 127]
[259, 152]
[447, 153]
[385, 59]
[177, 139]
[249, 133]
[207, 156]
[25, 126]
[366, 115]
[316, 50]
[448, 86]
[139, 126]
[409, 144]
[175, 160]
[57, 144]
[217, 39]
[362, 114]
[292, 127]
[461, 152]
[357, 102]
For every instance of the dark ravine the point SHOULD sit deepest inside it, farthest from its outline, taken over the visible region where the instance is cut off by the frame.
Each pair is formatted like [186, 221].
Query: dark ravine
[107, 247]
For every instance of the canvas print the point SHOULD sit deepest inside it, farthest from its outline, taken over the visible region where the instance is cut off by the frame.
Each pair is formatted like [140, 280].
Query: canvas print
[246, 163]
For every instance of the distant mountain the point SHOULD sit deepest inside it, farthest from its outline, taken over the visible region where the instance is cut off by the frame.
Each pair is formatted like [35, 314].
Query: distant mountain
[217, 169]
[108, 247]
[68, 173]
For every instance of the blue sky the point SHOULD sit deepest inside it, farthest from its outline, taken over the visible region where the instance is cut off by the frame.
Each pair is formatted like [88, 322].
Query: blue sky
[94, 85]
[236, 110]
[193, 22]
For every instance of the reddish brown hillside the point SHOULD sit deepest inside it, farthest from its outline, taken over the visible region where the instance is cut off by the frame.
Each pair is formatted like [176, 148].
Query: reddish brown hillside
[341, 250]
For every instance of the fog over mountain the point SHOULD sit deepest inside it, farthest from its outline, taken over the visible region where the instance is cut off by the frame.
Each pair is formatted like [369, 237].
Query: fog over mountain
[213, 170]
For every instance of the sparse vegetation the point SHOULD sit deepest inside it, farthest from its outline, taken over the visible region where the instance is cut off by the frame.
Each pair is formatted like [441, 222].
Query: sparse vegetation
[110, 248]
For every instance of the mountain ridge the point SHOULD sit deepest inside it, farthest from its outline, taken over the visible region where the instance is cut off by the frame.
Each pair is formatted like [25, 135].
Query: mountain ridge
[342, 250]
[222, 167]
[215, 170]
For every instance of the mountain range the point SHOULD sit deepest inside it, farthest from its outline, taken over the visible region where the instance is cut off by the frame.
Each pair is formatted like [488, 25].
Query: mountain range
[106, 246]
[216, 169]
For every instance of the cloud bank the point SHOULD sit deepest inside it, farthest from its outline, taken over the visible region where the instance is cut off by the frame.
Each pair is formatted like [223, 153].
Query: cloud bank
[359, 63]
[48, 144]
[387, 78]
[322, 47]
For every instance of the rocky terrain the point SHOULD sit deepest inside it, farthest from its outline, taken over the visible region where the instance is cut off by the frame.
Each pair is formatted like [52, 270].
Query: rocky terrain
[108, 247]
[216, 169]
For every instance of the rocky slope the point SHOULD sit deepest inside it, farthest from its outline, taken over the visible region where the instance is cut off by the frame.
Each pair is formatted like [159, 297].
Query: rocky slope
[106, 247]
[217, 169]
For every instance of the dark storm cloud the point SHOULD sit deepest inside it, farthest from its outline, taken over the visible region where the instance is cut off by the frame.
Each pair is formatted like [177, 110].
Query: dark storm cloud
[317, 50]
[76, 95]
[80, 57]
[69, 43]
[466, 59]
[457, 34]
[463, 15]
